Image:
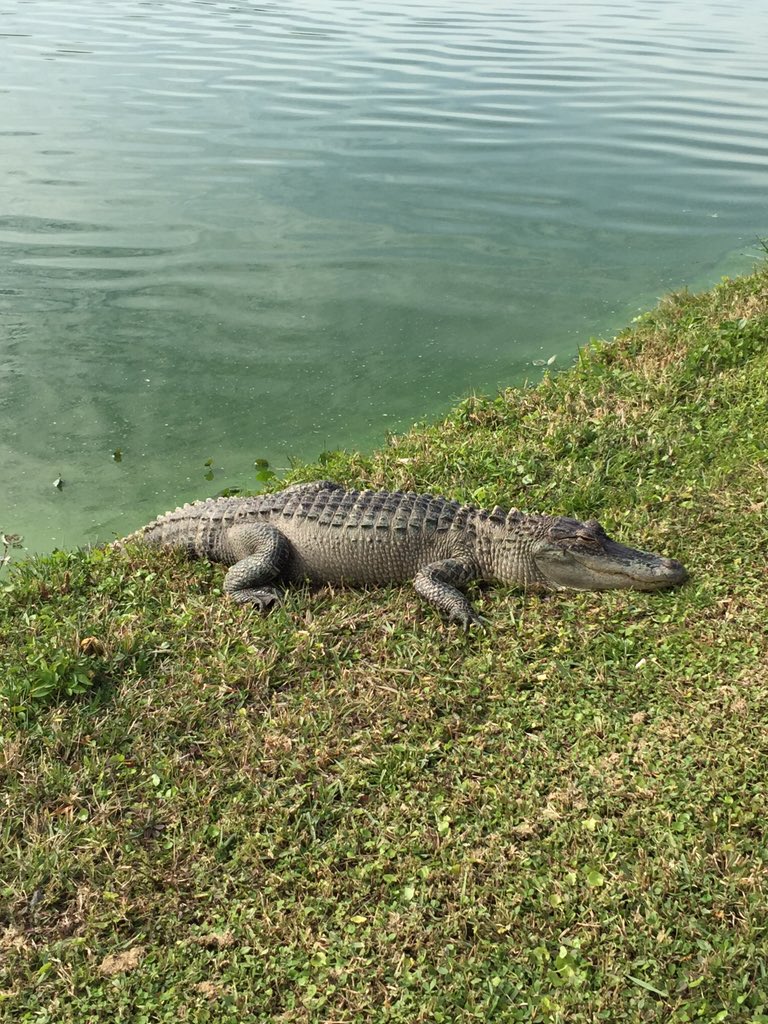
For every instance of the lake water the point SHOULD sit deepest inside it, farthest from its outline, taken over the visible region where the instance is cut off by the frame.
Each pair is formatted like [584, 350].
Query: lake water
[232, 230]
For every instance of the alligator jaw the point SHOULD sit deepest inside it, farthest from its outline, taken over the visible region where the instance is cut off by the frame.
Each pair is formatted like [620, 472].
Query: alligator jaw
[614, 567]
[636, 570]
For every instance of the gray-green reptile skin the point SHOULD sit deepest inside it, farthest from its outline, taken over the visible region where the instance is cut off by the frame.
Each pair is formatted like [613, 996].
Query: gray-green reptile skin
[323, 533]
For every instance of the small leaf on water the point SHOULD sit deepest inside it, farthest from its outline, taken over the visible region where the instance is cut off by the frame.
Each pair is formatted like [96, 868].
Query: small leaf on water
[551, 360]
[208, 462]
[264, 475]
[208, 475]
[261, 464]
[58, 483]
[117, 454]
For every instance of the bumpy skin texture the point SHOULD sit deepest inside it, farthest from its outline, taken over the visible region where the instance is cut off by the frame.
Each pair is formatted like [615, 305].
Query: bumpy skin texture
[325, 534]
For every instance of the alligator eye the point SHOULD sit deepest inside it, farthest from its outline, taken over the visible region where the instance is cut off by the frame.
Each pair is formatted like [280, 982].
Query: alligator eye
[590, 543]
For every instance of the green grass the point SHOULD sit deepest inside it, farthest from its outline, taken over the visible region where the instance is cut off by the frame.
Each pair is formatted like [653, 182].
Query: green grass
[349, 811]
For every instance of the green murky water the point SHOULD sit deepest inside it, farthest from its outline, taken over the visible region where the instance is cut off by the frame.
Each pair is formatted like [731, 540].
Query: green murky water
[236, 230]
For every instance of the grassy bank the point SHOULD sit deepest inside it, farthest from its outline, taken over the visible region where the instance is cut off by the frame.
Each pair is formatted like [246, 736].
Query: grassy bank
[351, 812]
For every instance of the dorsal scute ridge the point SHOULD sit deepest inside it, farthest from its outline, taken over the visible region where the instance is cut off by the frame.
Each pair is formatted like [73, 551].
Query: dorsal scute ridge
[335, 508]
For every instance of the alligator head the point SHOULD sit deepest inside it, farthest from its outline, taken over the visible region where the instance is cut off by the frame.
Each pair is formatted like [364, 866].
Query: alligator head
[581, 556]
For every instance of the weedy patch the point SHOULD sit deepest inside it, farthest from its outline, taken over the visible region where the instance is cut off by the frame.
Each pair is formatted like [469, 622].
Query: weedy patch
[348, 811]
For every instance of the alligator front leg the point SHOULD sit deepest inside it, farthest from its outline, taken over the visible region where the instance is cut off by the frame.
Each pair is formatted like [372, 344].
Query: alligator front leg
[261, 554]
[438, 583]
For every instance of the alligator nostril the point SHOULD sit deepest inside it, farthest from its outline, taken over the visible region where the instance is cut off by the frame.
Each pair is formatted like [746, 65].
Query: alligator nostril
[673, 566]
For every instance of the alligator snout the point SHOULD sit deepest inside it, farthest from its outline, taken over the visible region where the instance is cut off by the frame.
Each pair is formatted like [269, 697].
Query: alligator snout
[668, 572]
[590, 560]
[638, 570]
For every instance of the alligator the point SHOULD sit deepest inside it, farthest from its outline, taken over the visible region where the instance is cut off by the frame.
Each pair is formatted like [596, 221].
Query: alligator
[322, 533]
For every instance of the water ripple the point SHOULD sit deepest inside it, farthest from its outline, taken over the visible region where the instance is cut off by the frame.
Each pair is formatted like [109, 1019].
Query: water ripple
[232, 229]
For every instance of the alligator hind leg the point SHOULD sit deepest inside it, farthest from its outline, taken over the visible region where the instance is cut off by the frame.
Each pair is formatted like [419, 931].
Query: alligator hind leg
[438, 583]
[260, 554]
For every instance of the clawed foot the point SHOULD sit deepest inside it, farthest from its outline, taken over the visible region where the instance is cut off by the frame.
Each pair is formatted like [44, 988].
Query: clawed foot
[468, 619]
[262, 598]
